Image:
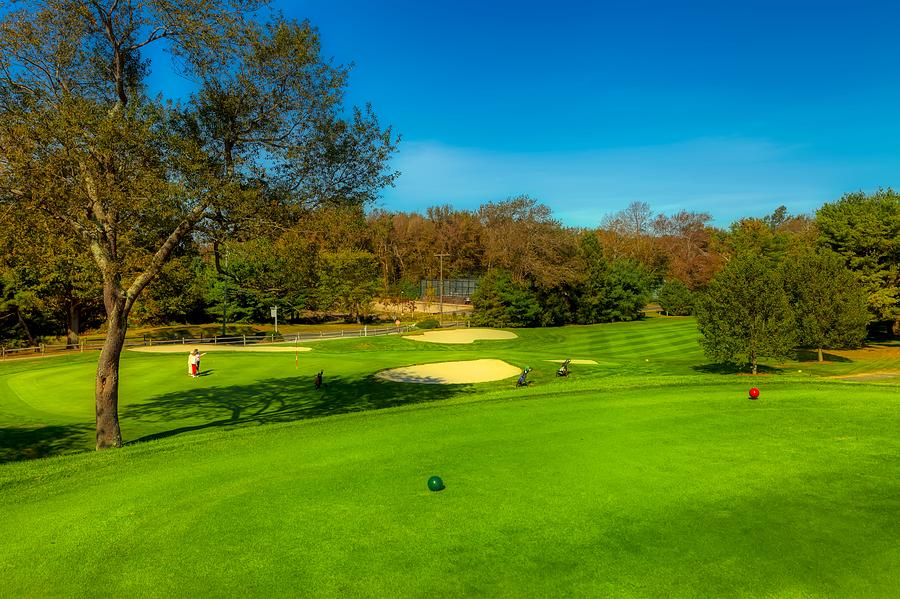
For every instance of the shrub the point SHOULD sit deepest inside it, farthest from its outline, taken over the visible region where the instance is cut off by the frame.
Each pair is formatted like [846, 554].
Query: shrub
[428, 323]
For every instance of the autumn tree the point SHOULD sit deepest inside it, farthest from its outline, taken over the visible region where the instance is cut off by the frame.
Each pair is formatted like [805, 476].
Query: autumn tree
[84, 145]
[521, 236]
[348, 281]
[688, 240]
[629, 234]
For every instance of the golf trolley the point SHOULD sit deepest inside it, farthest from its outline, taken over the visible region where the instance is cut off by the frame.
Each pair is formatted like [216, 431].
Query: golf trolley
[318, 382]
[523, 381]
[564, 369]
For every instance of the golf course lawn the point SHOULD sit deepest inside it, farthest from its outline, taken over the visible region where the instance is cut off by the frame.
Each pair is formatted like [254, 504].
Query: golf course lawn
[648, 475]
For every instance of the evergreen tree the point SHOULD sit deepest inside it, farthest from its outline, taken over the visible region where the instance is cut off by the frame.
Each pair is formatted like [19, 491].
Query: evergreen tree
[744, 315]
[627, 291]
[501, 302]
[828, 301]
[675, 298]
[865, 231]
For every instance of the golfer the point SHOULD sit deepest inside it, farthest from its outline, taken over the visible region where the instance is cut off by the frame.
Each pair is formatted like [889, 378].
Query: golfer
[194, 362]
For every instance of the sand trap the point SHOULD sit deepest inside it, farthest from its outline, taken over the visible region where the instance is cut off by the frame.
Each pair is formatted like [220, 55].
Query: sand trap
[176, 348]
[451, 373]
[462, 336]
[590, 362]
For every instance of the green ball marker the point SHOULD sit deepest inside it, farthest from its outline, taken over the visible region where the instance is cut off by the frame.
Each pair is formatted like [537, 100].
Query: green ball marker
[435, 484]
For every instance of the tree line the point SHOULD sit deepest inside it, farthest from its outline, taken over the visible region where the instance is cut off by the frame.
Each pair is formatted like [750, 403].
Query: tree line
[533, 270]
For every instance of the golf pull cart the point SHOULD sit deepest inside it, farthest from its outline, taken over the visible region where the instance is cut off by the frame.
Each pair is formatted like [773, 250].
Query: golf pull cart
[564, 369]
[523, 381]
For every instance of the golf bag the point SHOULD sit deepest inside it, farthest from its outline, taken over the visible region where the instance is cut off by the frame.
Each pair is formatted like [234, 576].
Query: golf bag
[319, 379]
[564, 369]
[523, 382]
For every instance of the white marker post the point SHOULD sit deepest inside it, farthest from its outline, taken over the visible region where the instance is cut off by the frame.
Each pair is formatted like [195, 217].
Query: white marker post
[275, 316]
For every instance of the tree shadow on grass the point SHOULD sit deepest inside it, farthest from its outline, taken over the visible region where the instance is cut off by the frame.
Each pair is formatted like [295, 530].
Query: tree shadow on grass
[29, 443]
[281, 400]
[811, 355]
[736, 369]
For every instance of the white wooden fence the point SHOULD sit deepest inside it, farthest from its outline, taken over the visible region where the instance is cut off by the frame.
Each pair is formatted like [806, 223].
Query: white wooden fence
[244, 340]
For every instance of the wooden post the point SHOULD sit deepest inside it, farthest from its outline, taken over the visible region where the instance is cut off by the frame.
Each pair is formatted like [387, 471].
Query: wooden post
[245, 340]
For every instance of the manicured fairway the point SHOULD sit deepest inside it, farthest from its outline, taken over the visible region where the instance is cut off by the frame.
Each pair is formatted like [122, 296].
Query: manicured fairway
[645, 476]
[46, 406]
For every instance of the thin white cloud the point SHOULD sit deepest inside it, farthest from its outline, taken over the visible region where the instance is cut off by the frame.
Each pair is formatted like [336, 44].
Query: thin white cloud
[727, 177]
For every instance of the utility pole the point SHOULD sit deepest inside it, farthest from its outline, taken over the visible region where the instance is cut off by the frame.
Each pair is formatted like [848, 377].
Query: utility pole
[442, 256]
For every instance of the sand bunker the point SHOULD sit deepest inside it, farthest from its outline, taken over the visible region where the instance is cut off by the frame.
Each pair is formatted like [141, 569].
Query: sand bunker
[590, 362]
[462, 336]
[177, 348]
[451, 373]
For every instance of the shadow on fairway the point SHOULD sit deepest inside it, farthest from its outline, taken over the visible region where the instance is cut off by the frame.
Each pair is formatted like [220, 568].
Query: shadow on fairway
[811, 355]
[732, 369]
[280, 400]
[21, 443]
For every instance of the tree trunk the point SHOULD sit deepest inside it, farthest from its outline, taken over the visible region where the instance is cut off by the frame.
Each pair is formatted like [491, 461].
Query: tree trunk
[753, 363]
[73, 325]
[821, 356]
[24, 325]
[106, 392]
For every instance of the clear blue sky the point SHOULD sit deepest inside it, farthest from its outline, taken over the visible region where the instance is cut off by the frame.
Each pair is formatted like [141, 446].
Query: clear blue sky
[727, 107]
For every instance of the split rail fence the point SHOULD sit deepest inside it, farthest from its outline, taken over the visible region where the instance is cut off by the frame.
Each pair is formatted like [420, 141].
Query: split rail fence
[242, 340]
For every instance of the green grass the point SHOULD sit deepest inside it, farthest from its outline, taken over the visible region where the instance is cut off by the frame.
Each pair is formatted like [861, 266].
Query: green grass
[649, 475]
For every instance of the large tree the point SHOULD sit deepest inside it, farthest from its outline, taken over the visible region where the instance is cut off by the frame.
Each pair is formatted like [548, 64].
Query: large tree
[744, 314]
[84, 145]
[828, 301]
[865, 231]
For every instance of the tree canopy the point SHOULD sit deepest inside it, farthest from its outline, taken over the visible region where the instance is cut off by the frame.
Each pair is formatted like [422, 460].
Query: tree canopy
[865, 231]
[84, 146]
[745, 315]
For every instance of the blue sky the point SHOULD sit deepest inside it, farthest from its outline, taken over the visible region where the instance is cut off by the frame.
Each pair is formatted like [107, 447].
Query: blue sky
[731, 108]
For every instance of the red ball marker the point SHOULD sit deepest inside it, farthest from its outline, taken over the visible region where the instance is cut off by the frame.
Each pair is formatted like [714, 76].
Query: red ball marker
[754, 393]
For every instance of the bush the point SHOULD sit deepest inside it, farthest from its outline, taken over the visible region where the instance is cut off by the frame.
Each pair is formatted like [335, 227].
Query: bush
[428, 323]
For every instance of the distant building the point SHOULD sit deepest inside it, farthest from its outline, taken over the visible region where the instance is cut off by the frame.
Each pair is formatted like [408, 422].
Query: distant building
[458, 291]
